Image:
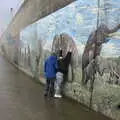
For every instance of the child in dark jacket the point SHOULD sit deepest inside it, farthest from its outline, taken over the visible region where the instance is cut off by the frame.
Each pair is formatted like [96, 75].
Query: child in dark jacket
[50, 69]
[62, 69]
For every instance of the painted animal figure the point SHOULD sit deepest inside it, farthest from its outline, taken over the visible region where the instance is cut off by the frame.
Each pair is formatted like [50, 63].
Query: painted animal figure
[94, 45]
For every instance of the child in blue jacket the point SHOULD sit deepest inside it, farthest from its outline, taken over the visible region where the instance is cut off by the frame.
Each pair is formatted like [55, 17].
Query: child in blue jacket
[50, 69]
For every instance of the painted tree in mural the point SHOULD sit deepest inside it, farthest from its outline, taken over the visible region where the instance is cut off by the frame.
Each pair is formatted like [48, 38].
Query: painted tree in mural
[38, 58]
[29, 55]
[93, 49]
[64, 41]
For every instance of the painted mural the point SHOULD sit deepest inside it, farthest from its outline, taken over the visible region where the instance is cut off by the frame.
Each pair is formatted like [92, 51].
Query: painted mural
[92, 29]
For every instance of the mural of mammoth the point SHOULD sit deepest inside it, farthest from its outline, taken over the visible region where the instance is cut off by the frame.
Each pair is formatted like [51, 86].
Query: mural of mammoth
[64, 41]
[93, 49]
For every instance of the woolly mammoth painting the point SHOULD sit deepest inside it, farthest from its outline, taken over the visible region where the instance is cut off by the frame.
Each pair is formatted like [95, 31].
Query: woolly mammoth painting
[93, 49]
[65, 42]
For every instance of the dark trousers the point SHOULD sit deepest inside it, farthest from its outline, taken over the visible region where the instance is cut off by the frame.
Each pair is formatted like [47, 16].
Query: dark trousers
[49, 87]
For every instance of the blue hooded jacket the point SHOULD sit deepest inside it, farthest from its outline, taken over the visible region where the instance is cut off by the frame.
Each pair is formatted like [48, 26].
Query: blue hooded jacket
[50, 67]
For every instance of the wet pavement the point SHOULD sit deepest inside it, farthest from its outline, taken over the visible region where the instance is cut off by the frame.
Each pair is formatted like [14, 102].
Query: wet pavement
[22, 99]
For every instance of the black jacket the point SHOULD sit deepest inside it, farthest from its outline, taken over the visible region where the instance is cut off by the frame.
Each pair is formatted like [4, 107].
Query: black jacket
[63, 63]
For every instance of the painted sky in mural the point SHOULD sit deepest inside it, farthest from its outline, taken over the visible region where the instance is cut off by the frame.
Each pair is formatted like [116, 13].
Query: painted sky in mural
[79, 22]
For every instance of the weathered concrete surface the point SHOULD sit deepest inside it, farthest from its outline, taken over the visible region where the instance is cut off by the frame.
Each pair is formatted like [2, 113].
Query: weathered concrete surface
[22, 99]
[33, 10]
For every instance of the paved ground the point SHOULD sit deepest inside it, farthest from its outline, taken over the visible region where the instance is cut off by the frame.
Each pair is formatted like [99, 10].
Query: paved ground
[22, 99]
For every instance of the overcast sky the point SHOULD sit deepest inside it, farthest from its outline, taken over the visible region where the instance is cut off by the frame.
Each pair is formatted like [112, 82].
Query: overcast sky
[5, 14]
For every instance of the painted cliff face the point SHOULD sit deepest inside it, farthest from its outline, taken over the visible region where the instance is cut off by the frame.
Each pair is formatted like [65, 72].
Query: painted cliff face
[94, 73]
